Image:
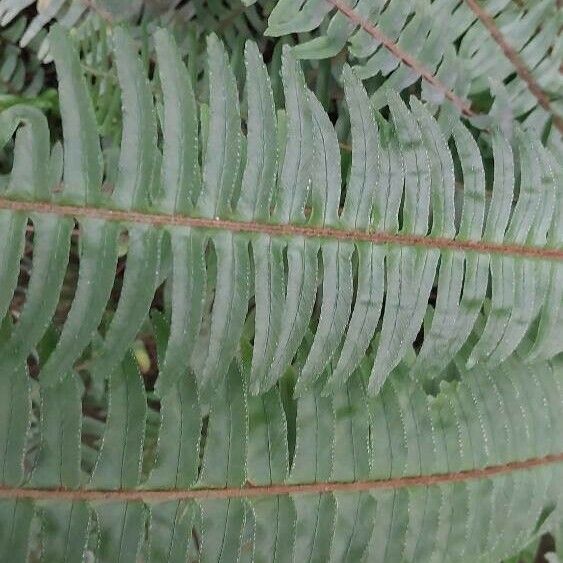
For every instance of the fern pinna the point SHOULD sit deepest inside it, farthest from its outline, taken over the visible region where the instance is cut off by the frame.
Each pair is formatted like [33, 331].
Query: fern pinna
[291, 298]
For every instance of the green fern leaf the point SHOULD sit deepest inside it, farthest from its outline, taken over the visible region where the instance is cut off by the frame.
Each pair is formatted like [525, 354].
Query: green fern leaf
[403, 196]
[428, 476]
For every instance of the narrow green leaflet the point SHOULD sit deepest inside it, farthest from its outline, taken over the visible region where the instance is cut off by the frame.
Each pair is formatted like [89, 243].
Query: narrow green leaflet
[220, 172]
[64, 528]
[181, 176]
[365, 315]
[58, 461]
[98, 260]
[83, 165]
[498, 213]
[441, 172]
[548, 343]
[15, 524]
[261, 152]
[189, 278]
[49, 266]
[288, 18]
[120, 529]
[269, 291]
[300, 293]
[335, 309]
[325, 177]
[418, 177]
[355, 515]
[295, 176]
[29, 176]
[119, 462]
[275, 520]
[224, 465]
[12, 232]
[315, 527]
[227, 436]
[365, 154]
[170, 531]
[388, 436]
[138, 156]
[222, 528]
[351, 434]
[330, 44]
[177, 458]
[139, 283]
[230, 306]
[15, 414]
[389, 191]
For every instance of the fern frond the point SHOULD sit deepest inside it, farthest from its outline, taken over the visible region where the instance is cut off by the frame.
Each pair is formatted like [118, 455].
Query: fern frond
[358, 277]
[472, 473]
[23, 78]
[72, 13]
[68, 12]
[231, 19]
[456, 47]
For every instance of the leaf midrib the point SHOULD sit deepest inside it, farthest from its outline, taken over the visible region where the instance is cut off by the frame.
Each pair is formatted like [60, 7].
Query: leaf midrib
[250, 491]
[285, 230]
